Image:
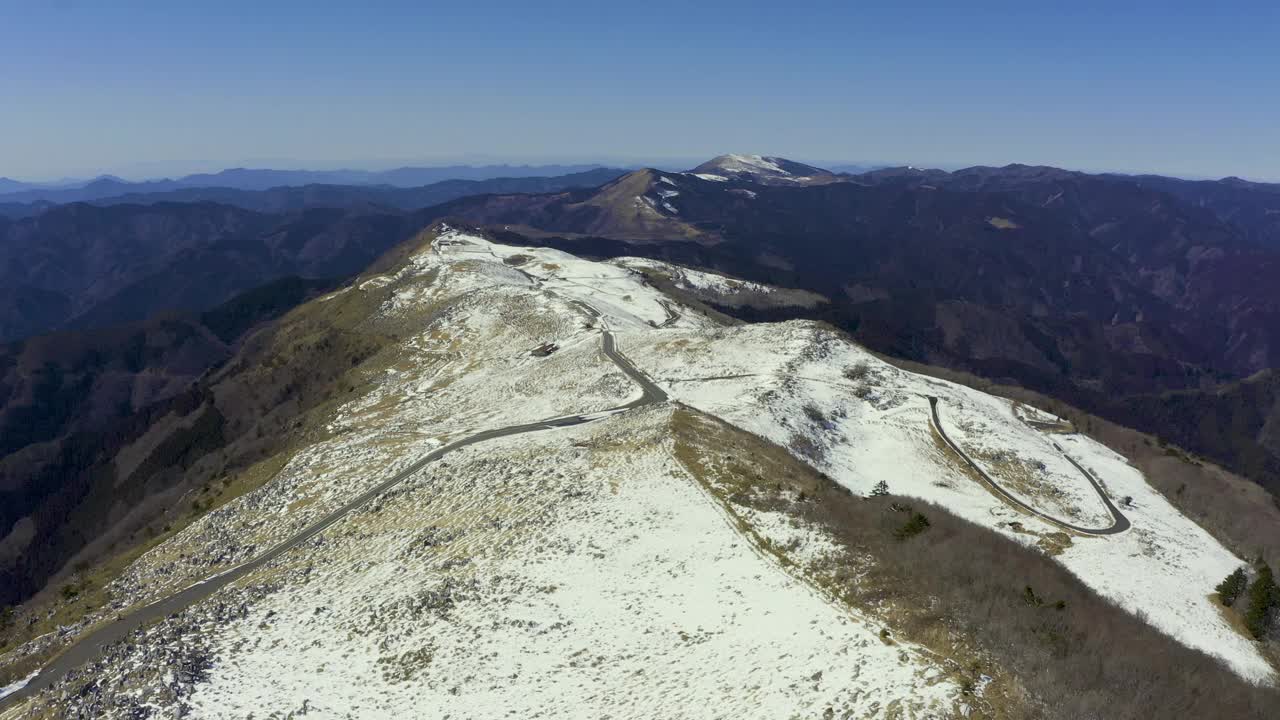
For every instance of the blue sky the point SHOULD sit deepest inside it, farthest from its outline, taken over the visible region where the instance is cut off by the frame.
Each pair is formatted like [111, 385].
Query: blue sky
[151, 88]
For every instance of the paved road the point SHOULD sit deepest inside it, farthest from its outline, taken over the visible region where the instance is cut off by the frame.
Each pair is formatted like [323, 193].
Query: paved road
[90, 646]
[1119, 524]
[672, 314]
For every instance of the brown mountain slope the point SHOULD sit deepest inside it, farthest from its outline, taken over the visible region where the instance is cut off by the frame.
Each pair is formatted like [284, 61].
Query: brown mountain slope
[638, 206]
[95, 424]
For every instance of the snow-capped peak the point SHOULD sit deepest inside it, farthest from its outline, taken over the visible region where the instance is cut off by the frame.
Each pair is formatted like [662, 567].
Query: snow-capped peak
[758, 162]
[763, 169]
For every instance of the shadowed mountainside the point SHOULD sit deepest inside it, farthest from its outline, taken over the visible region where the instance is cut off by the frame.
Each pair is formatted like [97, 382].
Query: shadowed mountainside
[82, 266]
[71, 402]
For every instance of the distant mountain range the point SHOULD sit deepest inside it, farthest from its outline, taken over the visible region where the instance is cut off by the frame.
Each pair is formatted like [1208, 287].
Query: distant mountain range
[105, 186]
[124, 259]
[1251, 207]
[290, 198]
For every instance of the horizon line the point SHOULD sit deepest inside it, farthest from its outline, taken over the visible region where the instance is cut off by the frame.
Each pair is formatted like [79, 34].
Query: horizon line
[478, 161]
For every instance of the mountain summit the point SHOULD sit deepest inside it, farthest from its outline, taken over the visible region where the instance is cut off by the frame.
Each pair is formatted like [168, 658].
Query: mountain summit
[763, 169]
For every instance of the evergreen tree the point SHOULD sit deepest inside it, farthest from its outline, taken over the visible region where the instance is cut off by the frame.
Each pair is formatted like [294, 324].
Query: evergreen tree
[914, 526]
[1231, 588]
[881, 489]
[1264, 599]
[7, 620]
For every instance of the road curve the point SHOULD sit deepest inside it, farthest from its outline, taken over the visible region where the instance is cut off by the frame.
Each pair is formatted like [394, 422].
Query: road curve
[1119, 524]
[90, 646]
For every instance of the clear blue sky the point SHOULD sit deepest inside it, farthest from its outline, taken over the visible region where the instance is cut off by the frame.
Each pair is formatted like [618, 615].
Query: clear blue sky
[156, 88]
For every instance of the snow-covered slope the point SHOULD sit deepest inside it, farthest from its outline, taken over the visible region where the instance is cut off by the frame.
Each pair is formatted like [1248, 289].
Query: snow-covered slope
[872, 423]
[588, 571]
[862, 421]
[762, 169]
[588, 577]
[721, 289]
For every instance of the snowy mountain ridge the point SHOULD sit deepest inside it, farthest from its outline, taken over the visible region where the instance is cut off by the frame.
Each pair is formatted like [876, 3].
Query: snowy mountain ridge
[611, 566]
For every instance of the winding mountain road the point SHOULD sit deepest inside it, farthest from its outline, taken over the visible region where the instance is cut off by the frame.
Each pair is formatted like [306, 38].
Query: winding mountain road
[91, 645]
[1119, 524]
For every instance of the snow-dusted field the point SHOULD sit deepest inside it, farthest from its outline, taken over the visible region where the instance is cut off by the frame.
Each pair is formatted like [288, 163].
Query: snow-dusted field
[861, 421]
[573, 574]
[467, 368]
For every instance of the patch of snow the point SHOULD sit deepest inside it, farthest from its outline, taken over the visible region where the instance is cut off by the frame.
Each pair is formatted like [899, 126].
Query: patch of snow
[374, 282]
[691, 279]
[618, 293]
[711, 177]
[754, 162]
[334, 294]
[18, 685]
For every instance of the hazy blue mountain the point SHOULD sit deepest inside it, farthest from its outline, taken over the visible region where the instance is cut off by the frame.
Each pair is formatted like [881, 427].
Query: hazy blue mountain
[8, 185]
[106, 186]
[854, 169]
[289, 198]
[1251, 207]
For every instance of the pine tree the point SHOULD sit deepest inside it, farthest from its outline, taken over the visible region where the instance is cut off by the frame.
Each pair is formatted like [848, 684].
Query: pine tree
[7, 620]
[1231, 588]
[881, 489]
[914, 526]
[1264, 599]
